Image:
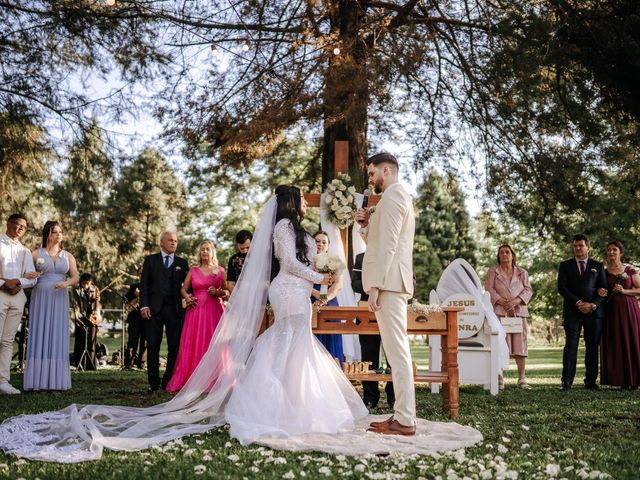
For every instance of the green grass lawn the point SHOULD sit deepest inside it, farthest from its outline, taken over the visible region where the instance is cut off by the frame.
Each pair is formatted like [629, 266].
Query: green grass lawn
[541, 433]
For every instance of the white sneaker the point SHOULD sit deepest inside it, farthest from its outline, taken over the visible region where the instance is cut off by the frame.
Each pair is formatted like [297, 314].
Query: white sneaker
[7, 389]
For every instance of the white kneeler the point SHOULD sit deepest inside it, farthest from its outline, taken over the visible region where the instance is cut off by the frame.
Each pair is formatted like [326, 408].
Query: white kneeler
[478, 357]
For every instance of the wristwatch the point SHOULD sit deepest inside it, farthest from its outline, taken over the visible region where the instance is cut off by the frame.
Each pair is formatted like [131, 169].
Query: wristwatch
[594, 306]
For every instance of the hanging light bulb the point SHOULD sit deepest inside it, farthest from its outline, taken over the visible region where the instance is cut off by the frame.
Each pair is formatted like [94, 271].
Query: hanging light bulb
[110, 3]
[214, 51]
[245, 47]
[336, 51]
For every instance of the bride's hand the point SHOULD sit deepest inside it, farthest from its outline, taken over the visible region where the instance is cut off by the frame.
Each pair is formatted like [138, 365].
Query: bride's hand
[328, 279]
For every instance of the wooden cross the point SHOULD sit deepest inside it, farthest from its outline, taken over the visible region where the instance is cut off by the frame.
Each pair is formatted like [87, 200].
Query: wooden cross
[341, 165]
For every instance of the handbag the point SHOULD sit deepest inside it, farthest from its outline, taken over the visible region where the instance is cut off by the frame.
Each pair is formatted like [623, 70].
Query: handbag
[512, 324]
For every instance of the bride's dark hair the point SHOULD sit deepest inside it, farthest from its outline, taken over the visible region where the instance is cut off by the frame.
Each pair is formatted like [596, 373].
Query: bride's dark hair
[288, 206]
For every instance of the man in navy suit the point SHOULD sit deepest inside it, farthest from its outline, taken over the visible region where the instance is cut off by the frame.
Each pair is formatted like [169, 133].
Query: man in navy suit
[161, 306]
[579, 279]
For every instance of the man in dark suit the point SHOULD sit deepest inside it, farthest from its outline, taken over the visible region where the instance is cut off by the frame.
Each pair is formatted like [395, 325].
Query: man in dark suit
[161, 306]
[579, 279]
[369, 345]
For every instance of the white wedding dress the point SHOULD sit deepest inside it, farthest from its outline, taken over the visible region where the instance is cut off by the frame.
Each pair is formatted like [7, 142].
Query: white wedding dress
[281, 389]
[291, 385]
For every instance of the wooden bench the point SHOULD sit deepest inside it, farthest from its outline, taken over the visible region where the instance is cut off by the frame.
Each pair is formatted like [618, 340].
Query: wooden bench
[360, 321]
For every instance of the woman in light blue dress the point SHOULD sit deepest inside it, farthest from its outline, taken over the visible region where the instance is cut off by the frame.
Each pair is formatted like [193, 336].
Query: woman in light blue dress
[47, 362]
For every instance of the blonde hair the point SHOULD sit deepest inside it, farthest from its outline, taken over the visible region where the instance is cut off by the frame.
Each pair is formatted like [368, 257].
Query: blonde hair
[214, 254]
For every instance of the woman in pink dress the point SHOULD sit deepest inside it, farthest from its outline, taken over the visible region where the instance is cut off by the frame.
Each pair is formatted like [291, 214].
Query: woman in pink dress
[510, 292]
[208, 282]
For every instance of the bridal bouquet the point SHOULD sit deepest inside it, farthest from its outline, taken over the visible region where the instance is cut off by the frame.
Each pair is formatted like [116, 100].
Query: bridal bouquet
[325, 263]
[340, 201]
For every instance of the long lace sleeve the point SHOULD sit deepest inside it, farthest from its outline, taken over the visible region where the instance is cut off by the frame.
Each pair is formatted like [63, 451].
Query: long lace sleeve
[284, 242]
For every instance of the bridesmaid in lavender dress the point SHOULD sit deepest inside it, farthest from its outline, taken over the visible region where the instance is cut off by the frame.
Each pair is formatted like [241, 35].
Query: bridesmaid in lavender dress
[47, 362]
[621, 330]
[209, 284]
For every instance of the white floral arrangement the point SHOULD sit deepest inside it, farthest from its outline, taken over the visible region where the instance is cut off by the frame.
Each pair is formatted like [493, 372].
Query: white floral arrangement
[39, 265]
[340, 201]
[422, 309]
[325, 263]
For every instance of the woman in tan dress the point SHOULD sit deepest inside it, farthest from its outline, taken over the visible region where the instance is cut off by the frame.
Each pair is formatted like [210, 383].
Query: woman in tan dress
[510, 292]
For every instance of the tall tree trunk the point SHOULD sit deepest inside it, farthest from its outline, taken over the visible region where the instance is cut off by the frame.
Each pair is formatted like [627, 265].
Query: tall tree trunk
[346, 93]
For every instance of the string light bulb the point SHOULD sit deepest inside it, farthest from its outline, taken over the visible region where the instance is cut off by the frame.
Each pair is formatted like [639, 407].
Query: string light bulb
[336, 51]
[214, 51]
[245, 47]
[110, 3]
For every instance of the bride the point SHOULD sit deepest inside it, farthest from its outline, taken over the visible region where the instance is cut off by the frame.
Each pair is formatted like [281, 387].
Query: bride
[282, 384]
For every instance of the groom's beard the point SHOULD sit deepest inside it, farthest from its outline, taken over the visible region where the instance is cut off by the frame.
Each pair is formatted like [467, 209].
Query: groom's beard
[377, 188]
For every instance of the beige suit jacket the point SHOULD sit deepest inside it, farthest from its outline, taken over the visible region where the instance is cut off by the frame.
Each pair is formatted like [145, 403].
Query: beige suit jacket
[388, 260]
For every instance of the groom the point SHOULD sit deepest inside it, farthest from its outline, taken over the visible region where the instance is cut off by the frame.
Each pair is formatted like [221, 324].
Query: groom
[387, 276]
[162, 276]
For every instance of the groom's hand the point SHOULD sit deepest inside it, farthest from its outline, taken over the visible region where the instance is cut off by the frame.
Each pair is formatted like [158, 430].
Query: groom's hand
[362, 217]
[373, 300]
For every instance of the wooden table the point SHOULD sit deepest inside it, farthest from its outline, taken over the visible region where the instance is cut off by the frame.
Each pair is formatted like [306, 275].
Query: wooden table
[360, 321]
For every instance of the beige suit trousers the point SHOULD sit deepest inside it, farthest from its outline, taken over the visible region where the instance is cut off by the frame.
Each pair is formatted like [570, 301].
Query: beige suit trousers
[11, 308]
[392, 323]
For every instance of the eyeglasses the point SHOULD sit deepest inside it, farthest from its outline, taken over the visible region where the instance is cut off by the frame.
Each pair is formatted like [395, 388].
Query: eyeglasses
[19, 226]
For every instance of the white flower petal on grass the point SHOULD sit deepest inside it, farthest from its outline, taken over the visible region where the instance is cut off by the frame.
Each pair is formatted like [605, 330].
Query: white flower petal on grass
[280, 460]
[509, 432]
[582, 473]
[506, 439]
[303, 473]
[199, 469]
[147, 462]
[552, 469]
[207, 458]
[233, 457]
[289, 474]
[525, 446]
[227, 445]
[502, 448]
[325, 471]
[254, 469]
[200, 442]
[359, 468]
[525, 427]
[486, 474]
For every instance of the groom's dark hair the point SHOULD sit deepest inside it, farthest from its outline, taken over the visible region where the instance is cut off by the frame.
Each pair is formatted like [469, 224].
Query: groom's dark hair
[384, 157]
[580, 237]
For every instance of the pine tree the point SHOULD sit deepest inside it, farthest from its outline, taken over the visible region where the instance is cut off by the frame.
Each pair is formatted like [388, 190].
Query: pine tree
[442, 230]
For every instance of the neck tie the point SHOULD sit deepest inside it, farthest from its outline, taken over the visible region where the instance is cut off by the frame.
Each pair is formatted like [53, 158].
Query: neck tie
[166, 261]
[581, 263]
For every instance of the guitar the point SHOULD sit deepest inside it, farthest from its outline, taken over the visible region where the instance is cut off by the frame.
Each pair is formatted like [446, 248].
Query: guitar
[96, 317]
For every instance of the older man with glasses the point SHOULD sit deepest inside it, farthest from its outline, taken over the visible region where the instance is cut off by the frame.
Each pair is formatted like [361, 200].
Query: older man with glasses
[16, 273]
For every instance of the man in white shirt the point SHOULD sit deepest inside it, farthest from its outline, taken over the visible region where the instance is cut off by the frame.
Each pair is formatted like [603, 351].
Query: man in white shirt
[16, 274]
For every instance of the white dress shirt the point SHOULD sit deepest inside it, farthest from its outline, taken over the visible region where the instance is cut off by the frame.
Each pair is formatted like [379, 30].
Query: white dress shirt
[15, 261]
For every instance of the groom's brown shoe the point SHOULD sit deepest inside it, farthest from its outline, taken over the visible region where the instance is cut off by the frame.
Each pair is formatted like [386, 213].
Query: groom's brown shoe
[395, 428]
[378, 425]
